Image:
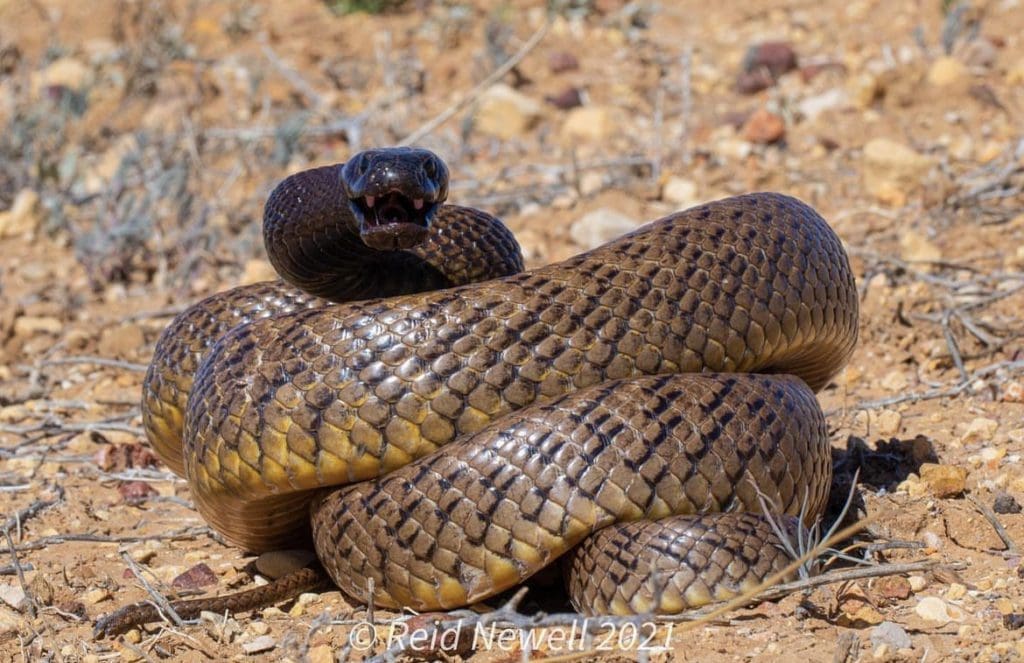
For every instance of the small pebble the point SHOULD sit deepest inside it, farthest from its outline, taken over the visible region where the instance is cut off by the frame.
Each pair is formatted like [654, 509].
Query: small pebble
[321, 654]
[934, 609]
[1005, 503]
[279, 563]
[12, 595]
[196, 577]
[944, 480]
[1013, 621]
[892, 634]
[601, 225]
[260, 644]
[956, 591]
[94, 596]
[893, 587]
[980, 429]
[1004, 605]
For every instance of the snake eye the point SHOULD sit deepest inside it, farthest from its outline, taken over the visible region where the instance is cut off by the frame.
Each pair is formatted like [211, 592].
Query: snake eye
[430, 168]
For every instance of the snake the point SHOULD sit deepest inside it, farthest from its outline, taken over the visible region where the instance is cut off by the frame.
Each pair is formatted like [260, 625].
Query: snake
[442, 425]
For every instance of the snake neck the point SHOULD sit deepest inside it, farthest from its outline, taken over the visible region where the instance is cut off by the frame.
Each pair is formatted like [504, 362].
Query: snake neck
[313, 242]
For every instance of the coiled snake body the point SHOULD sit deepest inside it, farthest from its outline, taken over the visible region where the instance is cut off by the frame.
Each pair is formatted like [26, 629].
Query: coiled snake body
[592, 406]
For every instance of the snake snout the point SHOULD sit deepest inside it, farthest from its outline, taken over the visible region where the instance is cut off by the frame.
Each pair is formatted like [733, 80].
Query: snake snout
[393, 194]
[392, 221]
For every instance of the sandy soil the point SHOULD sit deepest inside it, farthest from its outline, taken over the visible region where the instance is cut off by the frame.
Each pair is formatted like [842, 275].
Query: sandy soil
[139, 140]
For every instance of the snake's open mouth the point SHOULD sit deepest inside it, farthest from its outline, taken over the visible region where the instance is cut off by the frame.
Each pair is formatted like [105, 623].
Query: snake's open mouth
[393, 221]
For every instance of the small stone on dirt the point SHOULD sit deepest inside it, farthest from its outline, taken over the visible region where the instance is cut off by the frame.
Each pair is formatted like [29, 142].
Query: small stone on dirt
[135, 492]
[944, 480]
[888, 422]
[602, 225]
[778, 57]
[260, 644]
[980, 429]
[118, 457]
[1005, 503]
[893, 587]
[560, 61]
[505, 113]
[891, 634]
[94, 596]
[196, 577]
[679, 191]
[933, 609]
[12, 595]
[279, 563]
[590, 124]
[30, 325]
[764, 127]
[1013, 392]
[917, 583]
[569, 97]
[947, 72]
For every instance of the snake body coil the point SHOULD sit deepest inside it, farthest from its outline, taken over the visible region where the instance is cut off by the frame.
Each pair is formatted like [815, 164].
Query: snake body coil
[518, 418]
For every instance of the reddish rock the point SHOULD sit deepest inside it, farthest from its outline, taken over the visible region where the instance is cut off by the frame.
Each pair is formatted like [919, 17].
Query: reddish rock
[762, 65]
[566, 99]
[197, 577]
[893, 587]
[764, 127]
[560, 61]
[135, 492]
[118, 457]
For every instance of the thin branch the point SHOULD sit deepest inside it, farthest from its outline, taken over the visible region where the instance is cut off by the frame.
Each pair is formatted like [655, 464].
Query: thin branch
[162, 604]
[98, 361]
[37, 507]
[479, 89]
[186, 533]
[30, 600]
[1004, 536]
[932, 394]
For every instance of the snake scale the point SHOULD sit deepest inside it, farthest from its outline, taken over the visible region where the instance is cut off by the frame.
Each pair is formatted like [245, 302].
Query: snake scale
[486, 421]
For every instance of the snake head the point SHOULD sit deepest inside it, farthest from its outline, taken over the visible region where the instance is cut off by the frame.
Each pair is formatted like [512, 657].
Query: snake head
[394, 194]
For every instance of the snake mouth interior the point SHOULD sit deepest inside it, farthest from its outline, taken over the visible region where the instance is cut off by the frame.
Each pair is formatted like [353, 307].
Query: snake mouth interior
[393, 220]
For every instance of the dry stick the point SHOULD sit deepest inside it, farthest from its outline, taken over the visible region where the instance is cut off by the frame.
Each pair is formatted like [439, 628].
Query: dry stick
[186, 533]
[19, 517]
[1011, 547]
[477, 90]
[98, 361]
[11, 569]
[167, 312]
[30, 600]
[931, 394]
[56, 427]
[290, 74]
[953, 347]
[162, 604]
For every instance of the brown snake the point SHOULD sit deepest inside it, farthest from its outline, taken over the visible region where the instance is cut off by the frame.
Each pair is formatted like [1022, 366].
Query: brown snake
[591, 406]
